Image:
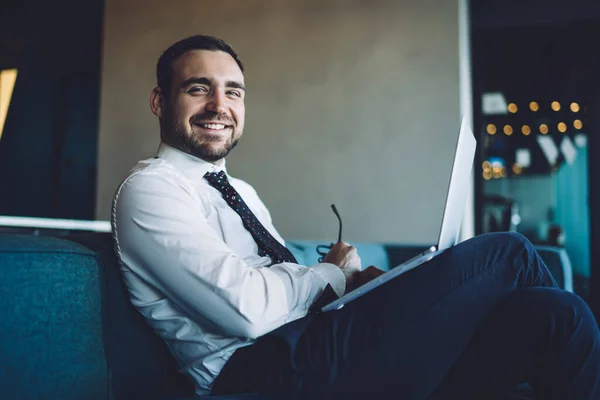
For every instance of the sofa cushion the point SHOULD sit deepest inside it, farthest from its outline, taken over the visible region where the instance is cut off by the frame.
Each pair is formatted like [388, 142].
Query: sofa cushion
[51, 325]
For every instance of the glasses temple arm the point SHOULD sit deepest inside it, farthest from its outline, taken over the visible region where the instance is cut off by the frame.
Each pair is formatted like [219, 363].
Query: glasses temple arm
[335, 211]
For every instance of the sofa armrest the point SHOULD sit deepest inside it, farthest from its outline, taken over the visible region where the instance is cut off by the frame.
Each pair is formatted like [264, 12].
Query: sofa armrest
[51, 320]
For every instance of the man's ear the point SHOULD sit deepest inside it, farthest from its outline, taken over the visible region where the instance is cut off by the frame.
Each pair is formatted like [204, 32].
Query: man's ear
[157, 102]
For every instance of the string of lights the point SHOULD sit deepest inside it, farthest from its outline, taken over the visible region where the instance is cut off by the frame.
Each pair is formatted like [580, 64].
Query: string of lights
[512, 132]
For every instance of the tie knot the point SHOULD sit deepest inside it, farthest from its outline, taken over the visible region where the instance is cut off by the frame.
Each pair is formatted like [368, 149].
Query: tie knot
[216, 179]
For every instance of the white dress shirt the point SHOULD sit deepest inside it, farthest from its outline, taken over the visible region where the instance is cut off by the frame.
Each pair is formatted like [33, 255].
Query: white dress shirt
[193, 270]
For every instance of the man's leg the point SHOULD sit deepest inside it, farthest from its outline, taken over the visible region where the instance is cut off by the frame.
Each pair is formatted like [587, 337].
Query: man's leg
[401, 338]
[543, 336]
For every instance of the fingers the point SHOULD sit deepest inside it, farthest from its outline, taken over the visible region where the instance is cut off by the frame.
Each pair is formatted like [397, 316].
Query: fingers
[341, 245]
[343, 255]
[348, 250]
[367, 275]
[372, 272]
[342, 248]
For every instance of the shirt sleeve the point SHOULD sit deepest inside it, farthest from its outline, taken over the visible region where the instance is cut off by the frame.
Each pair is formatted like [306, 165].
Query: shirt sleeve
[162, 235]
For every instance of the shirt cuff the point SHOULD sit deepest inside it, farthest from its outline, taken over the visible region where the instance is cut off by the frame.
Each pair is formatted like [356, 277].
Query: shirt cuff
[332, 275]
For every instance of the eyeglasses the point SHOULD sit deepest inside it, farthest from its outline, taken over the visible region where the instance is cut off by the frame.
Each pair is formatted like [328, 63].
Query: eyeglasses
[323, 249]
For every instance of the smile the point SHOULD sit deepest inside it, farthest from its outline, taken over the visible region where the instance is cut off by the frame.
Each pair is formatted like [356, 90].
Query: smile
[213, 126]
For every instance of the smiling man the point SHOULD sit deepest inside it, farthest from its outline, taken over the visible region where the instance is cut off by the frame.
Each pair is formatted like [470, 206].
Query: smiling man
[207, 269]
[200, 115]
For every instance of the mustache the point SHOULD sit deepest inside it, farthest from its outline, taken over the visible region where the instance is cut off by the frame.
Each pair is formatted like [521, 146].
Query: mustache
[211, 117]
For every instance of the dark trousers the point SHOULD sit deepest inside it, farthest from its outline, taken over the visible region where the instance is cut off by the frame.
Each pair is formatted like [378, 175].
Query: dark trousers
[470, 324]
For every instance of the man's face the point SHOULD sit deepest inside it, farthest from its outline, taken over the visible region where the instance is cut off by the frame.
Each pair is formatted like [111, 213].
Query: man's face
[203, 114]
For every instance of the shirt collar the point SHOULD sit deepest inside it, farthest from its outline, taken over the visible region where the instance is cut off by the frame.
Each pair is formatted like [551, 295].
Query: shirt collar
[190, 165]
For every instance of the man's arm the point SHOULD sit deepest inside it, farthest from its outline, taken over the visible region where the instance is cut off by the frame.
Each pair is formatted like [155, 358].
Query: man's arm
[163, 236]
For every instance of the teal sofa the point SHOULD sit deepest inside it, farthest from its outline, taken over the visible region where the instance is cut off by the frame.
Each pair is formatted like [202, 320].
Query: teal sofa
[68, 330]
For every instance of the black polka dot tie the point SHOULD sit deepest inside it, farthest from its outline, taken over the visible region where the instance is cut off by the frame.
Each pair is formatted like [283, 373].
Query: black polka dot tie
[267, 244]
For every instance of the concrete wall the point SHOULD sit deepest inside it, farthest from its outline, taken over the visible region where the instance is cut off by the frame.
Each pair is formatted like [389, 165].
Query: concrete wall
[350, 102]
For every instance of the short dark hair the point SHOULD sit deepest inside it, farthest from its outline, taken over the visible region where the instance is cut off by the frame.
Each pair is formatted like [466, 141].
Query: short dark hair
[164, 72]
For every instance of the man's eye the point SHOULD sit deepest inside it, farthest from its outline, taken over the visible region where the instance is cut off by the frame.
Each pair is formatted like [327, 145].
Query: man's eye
[197, 89]
[235, 93]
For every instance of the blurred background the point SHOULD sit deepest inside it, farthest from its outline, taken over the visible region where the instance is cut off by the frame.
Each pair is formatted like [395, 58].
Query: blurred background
[351, 102]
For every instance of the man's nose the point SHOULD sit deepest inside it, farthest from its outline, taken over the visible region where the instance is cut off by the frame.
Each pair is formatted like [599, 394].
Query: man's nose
[216, 102]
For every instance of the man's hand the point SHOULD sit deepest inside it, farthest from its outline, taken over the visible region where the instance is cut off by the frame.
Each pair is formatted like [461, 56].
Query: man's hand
[360, 278]
[344, 256]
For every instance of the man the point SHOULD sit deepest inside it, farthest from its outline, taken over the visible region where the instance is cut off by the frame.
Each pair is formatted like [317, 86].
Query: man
[209, 272]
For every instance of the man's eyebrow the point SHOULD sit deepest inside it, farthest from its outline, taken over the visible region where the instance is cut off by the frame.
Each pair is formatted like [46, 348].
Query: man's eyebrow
[201, 80]
[236, 85]
[196, 81]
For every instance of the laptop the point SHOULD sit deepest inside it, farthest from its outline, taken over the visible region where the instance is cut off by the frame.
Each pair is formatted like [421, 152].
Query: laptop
[460, 180]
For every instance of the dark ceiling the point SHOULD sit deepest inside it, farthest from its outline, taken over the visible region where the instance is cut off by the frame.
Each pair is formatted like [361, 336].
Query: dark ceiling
[519, 13]
[546, 48]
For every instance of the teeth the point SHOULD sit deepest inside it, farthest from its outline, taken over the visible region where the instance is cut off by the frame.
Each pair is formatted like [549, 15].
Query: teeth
[213, 126]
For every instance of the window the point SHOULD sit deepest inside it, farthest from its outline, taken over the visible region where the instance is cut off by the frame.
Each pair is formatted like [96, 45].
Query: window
[8, 77]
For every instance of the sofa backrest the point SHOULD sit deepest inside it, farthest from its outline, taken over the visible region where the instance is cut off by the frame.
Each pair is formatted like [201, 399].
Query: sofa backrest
[50, 320]
[305, 252]
[558, 262]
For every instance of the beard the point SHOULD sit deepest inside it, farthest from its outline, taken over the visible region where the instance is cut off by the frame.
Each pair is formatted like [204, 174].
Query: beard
[184, 138]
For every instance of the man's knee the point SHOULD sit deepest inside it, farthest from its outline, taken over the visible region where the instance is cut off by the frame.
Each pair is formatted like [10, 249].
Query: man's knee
[564, 307]
[503, 240]
[572, 305]
[511, 239]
